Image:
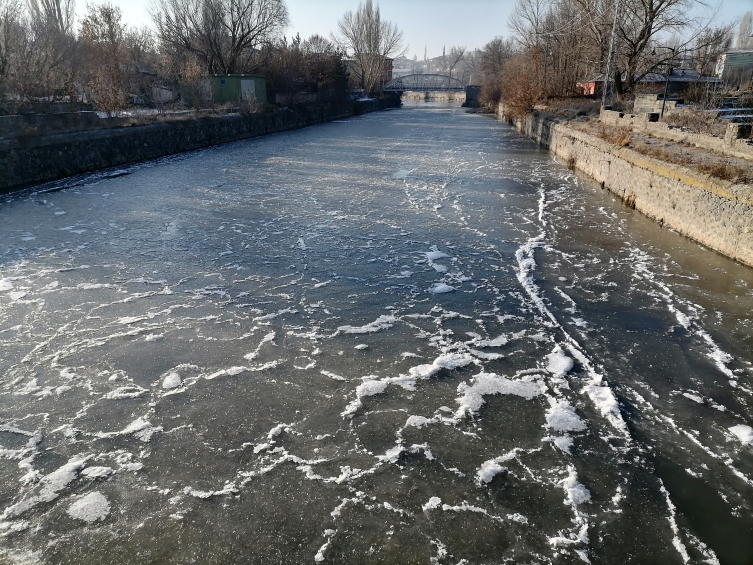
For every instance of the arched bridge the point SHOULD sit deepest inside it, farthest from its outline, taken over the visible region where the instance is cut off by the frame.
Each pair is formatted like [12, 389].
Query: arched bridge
[426, 83]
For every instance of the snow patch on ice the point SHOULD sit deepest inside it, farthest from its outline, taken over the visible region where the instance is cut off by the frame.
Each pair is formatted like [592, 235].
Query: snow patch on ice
[562, 417]
[441, 288]
[743, 433]
[558, 363]
[90, 508]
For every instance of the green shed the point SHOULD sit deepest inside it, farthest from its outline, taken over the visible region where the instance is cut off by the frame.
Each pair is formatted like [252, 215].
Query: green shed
[233, 88]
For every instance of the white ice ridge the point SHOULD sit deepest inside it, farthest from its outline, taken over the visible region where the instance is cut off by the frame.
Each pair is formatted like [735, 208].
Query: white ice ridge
[575, 494]
[599, 393]
[435, 503]
[744, 433]
[448, 361]
[255, 353]
[433, 256]
[490, 383]
[49, 487]
[228, 489]
[90, 508]
[329, 534]
[369, 387]
[491, 468]
[140, 428]
[676, 541]
[381, 323]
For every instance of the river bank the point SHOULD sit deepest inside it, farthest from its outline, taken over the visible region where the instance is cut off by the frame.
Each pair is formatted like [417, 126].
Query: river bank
[715, 212]
[29, 159]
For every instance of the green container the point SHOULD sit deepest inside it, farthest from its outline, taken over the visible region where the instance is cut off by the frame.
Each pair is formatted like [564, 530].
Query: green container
[234, 88]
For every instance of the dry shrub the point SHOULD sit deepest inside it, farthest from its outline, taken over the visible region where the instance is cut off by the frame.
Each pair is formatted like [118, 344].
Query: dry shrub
[522, 82]
[719, 169]
[574, 107]
[619, 136]
[727, 171]
[489, 96]
[697, 121]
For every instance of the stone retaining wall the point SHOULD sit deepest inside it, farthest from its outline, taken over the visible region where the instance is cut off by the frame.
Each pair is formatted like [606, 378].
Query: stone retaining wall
[29, 160]
[716, 213]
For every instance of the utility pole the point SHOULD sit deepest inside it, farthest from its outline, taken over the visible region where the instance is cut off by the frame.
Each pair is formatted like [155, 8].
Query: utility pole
[612, 43]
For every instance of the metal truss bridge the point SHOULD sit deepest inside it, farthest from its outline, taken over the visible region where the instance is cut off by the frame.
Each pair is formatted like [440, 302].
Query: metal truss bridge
[426, 83]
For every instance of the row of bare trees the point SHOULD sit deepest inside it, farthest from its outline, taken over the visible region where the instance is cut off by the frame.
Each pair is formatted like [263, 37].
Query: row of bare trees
[561, 43]
[46, 56]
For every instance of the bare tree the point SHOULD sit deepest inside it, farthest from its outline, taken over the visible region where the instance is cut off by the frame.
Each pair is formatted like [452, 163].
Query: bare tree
[745, 33]
[494, 55]
[56, 14]
[369, 40]
[222, 34]
[103, 33]
[457, 54]
[527, 21]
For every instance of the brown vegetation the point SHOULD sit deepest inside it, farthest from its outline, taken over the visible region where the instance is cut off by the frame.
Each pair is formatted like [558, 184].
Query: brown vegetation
[523, 86]
[619, 136]
[697, 122]
[717, 168]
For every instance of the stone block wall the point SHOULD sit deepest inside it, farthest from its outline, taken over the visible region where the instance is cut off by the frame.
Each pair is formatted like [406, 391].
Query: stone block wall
[29, 160]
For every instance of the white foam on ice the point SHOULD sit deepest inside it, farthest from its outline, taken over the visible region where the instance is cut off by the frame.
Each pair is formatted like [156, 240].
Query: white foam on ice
[140, 428]
[333, 375]
[489, 384]
[90, 508]
[419, 421]
[489, 470]
[383, 322]
[370, 386]
[599, 393]
[575, 492]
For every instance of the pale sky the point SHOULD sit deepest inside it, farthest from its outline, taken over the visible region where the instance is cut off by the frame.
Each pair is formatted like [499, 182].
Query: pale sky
[425, 23]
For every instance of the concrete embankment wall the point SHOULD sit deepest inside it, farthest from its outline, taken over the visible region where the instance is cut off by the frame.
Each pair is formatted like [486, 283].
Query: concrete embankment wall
[30, 159]
[714, 212]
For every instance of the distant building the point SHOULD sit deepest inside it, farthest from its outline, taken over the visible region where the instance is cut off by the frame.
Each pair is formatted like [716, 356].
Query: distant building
[679, 80]
[234, 88]
[735, 67]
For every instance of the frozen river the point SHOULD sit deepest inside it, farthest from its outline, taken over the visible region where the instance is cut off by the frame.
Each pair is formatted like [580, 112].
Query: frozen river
[408, 337]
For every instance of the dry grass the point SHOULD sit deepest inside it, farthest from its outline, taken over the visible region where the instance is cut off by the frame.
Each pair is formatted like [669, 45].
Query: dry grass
[719, 169]
[574, 107]
[697, 122]
[619, 136]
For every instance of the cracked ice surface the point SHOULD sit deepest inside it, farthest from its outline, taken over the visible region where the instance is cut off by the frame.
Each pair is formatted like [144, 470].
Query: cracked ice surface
[406, 337]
